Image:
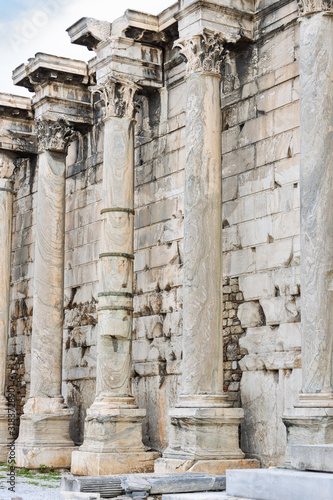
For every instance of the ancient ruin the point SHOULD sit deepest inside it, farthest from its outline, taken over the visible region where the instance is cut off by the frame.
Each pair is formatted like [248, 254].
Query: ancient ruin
[166, 244]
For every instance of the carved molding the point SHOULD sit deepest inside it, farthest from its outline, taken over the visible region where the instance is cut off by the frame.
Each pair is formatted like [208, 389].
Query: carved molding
[118, 96]
[204, 52]
[54, 135]
[307, 7]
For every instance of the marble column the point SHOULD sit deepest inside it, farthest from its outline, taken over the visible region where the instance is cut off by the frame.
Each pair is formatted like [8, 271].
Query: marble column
[6, 211]
[44, 429]
[204, 427]
[113, 427]
[311, 421]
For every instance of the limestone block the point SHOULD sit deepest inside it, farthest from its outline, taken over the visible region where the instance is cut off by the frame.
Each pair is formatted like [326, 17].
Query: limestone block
[265, 339]
[256, 130]
[157, 394]
[269, 151]
[286, 224]
[271, 361]
[312, 457]
[256, 286]
[274, 255]
[103, 464]
[286, 118]
[173, 323]
[287, 171]
[275, 97]
[288, 280]
[277, 52]
[148, 326]
[280, 310]
[163, 210]
[237, 161]
[230, 139]
[216, 467]
[229, 188]
[254, 232]
[275, 484]
[239, 262]
[239, 210]
[163, 255]
[231, 240]
[265, 395]
[250, 314]
[256, 180]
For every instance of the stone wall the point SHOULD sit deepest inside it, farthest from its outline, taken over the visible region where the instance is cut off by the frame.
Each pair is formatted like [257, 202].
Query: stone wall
[83, 187]
[23, 246]
[261, 224]
[261, 318]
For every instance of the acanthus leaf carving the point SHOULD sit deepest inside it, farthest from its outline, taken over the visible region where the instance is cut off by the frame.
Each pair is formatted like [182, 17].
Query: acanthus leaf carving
[204, 52]
[118, 96]
[54, 135]
[307, 7]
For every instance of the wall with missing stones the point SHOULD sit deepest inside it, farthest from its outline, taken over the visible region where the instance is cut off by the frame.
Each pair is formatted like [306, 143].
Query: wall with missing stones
[261, 250]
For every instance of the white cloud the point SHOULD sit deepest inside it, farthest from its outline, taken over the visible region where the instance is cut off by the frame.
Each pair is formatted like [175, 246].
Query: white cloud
[42, 28]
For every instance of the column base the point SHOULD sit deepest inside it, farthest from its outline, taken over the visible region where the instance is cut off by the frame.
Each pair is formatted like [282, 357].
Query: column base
[308, 425]
[113, 443]
[217, 467]
[205, 434]
[44, 438]
[85, 463]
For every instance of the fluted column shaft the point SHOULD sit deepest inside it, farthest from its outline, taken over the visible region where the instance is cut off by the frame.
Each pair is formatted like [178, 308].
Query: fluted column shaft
[316, 189]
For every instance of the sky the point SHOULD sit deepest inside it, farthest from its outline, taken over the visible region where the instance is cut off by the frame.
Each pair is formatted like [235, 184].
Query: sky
[31, 26]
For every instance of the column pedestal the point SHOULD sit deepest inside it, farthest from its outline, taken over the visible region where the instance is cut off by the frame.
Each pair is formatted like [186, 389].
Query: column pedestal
[44, 434]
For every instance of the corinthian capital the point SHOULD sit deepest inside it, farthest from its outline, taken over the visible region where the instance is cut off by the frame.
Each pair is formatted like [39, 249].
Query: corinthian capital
[204, 52]
[118, 96]
[54, 135]
[307, 7]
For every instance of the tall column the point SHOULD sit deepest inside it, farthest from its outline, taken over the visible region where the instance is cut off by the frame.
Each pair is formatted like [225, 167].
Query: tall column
[311, 421]
[6, 211]
[204, 427]
[44, 429]
[113, 427]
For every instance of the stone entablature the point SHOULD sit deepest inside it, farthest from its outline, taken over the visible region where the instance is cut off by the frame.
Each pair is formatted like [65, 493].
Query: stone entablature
[307, 7]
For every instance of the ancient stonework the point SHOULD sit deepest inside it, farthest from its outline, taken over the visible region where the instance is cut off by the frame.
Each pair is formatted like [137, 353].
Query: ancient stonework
[166, 244]
[204, 52]
[54, 135]
[307, 7]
